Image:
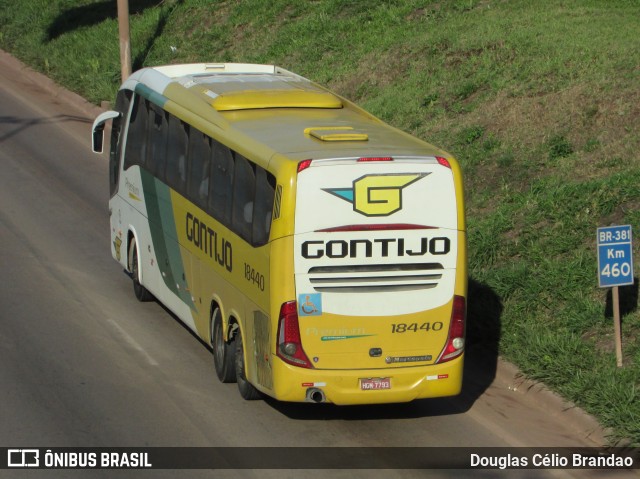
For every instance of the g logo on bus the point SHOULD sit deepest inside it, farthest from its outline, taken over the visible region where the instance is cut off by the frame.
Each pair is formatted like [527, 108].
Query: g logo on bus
[377, 195]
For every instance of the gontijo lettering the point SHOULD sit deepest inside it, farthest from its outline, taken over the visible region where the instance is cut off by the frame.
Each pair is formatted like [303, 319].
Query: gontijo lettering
[208, 241]
[385, 247]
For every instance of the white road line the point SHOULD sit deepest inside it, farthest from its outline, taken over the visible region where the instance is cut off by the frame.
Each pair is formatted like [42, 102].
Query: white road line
[133, 343]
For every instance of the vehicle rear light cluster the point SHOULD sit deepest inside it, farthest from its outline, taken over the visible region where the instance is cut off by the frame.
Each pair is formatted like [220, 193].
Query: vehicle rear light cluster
[443, 161]
[289, 347]
[303, 165]
[376, 158]
[455, 340]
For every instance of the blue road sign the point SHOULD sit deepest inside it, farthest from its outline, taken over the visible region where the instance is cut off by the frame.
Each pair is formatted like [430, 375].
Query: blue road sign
[615, 257]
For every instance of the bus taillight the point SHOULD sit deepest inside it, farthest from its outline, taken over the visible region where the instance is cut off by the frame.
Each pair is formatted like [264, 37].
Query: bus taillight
[376, 158]
[455, 340]
[443, 161]
[289, 343]
[303, 165]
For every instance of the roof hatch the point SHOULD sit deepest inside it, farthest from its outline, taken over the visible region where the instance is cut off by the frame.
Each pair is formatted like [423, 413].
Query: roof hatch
[260, 99]
[336, 133]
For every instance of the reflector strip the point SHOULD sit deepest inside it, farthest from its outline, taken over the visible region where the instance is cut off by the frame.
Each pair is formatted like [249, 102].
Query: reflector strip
[303, 165]
[376, 158]
[443, 161]
[376, 227]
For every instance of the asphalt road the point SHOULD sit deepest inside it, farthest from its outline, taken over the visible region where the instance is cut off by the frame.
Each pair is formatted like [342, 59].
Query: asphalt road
[83, 363]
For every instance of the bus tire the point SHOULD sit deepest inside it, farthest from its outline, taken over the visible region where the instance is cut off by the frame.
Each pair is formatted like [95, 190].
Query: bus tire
[224, 353]
[247, 391]
[140, 291]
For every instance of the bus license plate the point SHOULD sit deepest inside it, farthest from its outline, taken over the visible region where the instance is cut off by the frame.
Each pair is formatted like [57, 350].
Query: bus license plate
[375, 383]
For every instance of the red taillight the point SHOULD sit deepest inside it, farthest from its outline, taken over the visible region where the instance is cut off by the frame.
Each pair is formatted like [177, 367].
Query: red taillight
[303, 165]
[443, 161]
[376, 158]
[289, 347]
[455, 340]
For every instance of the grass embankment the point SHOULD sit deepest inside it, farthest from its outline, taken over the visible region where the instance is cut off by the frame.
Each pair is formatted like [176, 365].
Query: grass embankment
[540, 102]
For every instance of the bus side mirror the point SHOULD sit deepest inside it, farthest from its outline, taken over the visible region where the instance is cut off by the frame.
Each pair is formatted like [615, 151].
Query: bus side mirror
[97, 132]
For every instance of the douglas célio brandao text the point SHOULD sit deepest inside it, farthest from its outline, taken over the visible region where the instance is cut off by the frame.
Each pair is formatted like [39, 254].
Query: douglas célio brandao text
[552, 461]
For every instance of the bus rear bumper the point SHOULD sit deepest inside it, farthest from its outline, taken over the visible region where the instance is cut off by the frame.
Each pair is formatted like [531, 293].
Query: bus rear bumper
[344, 387]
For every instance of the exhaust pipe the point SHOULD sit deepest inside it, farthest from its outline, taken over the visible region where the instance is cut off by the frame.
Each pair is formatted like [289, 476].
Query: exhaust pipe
[316, 395]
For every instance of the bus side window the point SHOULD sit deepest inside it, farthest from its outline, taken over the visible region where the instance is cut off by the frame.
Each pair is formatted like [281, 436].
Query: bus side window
[220, 193]
[157, 139]
[135, 151]
[263, 207]
[176, 171]
[199, 161]
[122, 106]
[244, 185]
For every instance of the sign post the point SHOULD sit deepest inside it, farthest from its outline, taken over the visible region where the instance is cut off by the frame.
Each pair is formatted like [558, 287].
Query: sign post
[125, 46]
[615, 268]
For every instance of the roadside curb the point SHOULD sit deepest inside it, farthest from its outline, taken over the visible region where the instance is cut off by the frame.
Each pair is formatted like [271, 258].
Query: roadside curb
[537, 394]
[11, 63]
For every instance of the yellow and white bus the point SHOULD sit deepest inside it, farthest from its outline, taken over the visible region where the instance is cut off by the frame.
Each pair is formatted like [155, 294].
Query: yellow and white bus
[320, 252]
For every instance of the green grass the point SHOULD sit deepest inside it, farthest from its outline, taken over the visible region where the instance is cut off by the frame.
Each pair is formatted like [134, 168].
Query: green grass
[540, 105]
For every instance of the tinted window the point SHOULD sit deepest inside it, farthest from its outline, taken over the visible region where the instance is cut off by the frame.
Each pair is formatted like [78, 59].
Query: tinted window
[244, 184]
[122, 107]
[220, 193]
[227, 185]
[176, 170]
[263, 207]
[157, 141]
[199, 162]
[135, 153]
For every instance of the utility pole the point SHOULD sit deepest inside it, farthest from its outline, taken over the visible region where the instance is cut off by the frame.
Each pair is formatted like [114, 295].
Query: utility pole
[125, 43]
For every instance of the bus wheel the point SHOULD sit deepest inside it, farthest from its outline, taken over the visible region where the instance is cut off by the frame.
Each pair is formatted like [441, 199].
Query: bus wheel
[247, 391]
[140, 291]
[223, 353]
